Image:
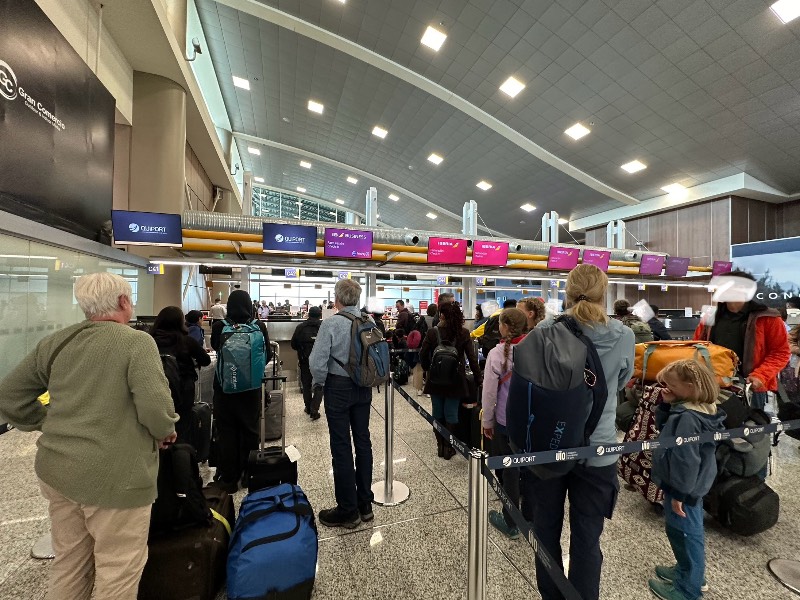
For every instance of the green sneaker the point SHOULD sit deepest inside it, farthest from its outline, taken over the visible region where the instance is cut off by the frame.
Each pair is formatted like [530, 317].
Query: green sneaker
[665, 590]
[668, 574]
[497, 519]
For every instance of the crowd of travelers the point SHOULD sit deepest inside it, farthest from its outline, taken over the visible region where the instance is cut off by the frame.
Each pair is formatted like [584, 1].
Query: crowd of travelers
[110, 389]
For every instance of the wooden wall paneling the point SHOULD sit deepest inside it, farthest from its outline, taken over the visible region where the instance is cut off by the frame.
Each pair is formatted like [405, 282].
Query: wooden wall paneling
[693, 227]
[739, 220]
[720, 233]
[789, 219]
[662, 235]
[756, 221]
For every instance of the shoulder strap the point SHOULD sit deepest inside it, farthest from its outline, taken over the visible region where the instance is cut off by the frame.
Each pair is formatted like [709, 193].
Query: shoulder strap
[438, 336]
[60, 347]
[222, 520]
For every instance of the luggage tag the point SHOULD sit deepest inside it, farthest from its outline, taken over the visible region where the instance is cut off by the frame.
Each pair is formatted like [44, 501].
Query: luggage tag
[642, 310]
[708, 315]
[293, 453]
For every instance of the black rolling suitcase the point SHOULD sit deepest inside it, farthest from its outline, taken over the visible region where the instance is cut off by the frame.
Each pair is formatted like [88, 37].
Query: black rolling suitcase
[469, 411]
[200, 433]
[190, 564]
[268, 467]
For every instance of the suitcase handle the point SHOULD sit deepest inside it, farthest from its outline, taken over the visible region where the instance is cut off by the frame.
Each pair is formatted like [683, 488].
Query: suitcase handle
[282, 378]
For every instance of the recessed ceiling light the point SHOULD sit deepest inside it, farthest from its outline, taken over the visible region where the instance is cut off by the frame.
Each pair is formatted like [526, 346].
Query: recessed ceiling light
[301, 189]
[258, 179]
[394, 197]
[430, 215]
[527, 207]
[634, 166]
[676, 190]
[577, 131]
[563, 221]
[435, 158]
[339, 201]
[305, 164]
[255, 151]
[352, 180]
[512, 87]
[787, 10]
[315, 107]
[241, 82]
[484, 185]
[379, 131]
[433, 38]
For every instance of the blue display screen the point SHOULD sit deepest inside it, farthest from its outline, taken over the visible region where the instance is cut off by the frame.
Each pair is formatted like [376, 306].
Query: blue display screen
[292, 239]
[146, 228]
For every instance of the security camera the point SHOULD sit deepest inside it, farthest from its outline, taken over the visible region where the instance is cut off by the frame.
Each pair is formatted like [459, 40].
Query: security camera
[196, 49]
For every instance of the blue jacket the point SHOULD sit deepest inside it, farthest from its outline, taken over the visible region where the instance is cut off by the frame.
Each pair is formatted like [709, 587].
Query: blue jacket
[686, 472]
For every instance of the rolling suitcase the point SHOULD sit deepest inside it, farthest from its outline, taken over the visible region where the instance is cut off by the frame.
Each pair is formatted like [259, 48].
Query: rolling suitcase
[274, 369]
[200, 434]
[190, 564]
[268, 467]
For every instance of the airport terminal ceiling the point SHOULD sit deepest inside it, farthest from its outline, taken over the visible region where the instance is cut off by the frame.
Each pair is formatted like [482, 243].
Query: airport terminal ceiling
[695, 91]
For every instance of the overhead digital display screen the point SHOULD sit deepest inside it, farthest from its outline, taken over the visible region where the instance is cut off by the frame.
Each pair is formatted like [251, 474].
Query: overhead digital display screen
[447, 251]
[721, 267]
[146, 228]
[348, 243]
[677, 266]
[489, 254]
[292, 239]
[652, 264]
[598, 258]
[563, 259]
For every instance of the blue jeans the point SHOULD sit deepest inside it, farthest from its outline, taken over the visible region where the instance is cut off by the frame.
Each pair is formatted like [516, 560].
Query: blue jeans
[687, 538]
[347, 408]
[512, 479]
[592, 497]
[445, 410]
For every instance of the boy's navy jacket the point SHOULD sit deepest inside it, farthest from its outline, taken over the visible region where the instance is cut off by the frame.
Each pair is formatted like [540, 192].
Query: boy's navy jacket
[686, 472]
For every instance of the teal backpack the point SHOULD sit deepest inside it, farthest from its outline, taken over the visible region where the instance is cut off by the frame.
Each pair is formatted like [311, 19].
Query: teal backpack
[242, 357]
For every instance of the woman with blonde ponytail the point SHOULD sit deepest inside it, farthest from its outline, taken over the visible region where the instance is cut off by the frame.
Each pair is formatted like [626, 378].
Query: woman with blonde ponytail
[592, 485]
[496, 377]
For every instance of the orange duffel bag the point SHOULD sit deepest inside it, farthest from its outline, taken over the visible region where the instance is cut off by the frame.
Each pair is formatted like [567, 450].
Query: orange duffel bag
[651, 357]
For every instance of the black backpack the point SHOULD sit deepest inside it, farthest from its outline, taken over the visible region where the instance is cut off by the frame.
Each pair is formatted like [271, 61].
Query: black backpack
[491, 335]
[557, 393]
[745, 505]
[306, 339]
[170, 365]
[445, 362]
[180, 501]
[400, 372]
[418, 323]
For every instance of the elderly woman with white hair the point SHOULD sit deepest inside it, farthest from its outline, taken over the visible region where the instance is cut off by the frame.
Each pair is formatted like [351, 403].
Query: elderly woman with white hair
[97, 461]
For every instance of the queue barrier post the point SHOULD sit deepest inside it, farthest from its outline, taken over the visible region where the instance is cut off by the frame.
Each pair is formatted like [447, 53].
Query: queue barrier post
[389, 492]
[478, 529]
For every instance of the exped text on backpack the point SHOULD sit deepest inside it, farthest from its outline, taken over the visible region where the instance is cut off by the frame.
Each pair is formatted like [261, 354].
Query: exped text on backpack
[557, 392]
[368, 364]
[445, 361]
[242, 357]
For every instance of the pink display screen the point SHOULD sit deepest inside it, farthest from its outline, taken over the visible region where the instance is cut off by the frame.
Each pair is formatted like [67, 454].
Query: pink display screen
[561, 258]
[348, 243]
[489, 254]
[721, 267]
[651, 264]
[677, 266]
[447, 251]
[598, 258]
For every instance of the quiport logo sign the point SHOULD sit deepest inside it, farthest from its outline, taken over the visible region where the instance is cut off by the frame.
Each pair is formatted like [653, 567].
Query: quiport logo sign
[289, 239]
[146, 229]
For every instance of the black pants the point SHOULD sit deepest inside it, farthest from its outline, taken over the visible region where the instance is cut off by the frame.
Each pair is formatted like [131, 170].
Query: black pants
[238, 432]
[184, 409]
[306, 381]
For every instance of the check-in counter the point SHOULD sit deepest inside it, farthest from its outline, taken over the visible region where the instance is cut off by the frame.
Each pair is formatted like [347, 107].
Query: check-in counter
[280, 330]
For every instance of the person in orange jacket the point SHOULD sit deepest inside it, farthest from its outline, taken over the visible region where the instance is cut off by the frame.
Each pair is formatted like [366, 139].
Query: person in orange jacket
[757, 335]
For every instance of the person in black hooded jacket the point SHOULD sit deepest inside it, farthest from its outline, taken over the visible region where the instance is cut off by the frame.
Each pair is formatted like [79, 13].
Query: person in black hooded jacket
[236, 415]
[172, 337]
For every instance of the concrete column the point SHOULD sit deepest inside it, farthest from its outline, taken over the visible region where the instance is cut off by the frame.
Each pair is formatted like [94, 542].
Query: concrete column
[158, 167]
[177, 17]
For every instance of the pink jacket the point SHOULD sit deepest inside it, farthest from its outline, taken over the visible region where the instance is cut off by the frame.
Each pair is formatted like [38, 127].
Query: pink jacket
[496, 383]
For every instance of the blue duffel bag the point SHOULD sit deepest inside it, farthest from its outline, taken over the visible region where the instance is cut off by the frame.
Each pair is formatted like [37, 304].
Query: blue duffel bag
[273, 550]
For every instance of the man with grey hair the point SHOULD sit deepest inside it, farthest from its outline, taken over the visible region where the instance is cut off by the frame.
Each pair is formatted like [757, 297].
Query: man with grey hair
[347, 409]
[97, 459]
[444, 298]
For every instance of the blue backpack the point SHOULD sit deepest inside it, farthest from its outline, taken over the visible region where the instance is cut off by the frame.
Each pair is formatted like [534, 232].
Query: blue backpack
[242, 357]
[557, 393]
[273, 549]
[368, 364]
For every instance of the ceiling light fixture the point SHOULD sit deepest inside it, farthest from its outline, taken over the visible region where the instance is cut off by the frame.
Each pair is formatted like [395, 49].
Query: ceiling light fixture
[676, 190]
[634, 166]
[577, 131]
[352, 180]
[379, 131]
[315, 107]
[255, 151]
[301, 189]
[435, 158]
[241, 82]
[430, 215]
[527, 207]
[339, 201]
[433, 38]
[305, 164]
[484, 185]
[258, 179]
[787, 10]
[563, 221]
[512, 87]
[394, 197]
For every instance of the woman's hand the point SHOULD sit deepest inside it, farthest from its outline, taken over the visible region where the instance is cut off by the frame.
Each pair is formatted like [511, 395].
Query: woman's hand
[677, 508]
[488, 432]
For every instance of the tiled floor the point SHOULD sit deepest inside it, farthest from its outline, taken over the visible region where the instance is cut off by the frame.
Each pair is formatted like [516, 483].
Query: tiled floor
[419, 549]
